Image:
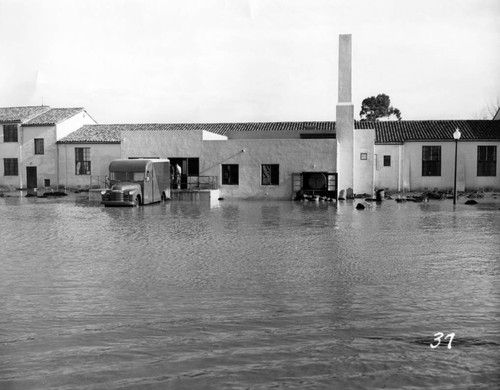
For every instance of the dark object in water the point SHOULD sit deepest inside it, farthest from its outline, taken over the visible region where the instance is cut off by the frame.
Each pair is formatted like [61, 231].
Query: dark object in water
[471, 201]
[299, 195]
[55, 193]
[360, 206]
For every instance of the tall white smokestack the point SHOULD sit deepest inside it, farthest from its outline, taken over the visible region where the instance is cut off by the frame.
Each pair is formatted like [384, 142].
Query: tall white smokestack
[345, 120]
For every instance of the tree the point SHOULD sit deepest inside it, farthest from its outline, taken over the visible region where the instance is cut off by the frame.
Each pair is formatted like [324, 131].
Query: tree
[373, 108]
[489, 111]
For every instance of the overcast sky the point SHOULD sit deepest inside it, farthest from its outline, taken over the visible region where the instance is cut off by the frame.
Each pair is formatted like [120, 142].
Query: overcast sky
[138, 61]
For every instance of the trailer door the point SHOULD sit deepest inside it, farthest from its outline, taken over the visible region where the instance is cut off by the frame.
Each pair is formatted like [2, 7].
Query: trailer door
[148, 184]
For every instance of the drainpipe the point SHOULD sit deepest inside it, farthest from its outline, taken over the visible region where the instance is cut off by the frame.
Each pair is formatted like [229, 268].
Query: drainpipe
[400, 163]
[20, 156]
[57, 166]
[66, 165]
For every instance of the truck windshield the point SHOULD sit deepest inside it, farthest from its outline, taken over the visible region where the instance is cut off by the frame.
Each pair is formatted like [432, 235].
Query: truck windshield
[126, 176]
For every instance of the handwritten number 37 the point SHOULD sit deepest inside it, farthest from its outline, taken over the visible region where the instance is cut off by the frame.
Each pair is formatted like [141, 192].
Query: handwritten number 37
[439, 335]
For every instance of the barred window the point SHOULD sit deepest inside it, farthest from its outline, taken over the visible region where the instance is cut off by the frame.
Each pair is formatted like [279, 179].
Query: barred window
[10, 167]
[387, 161]
[270, 174]
[9, 133]
[82, 161]
[230, 174]
[487, 160]
[39, 149]
[431, 160]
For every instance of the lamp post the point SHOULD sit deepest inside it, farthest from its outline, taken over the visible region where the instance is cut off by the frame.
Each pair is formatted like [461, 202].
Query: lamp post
[456, 137]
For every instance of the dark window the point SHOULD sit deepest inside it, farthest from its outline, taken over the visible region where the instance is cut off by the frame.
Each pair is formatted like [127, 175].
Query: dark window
[39, 146]
[230, 174]
[387, 161]
[270, 174]
[9, 133]
[10, 167]
[487, 160]
[431, 160]
[82, 161]
[193, 168]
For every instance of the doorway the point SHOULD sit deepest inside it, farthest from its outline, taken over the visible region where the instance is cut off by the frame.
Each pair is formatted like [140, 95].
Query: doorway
[31, 179]
[189, 167]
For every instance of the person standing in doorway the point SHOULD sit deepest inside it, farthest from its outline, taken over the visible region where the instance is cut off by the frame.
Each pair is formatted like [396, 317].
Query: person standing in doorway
[178, 173]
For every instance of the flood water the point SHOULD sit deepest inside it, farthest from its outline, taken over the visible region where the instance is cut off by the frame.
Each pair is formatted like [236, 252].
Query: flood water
[249, 295]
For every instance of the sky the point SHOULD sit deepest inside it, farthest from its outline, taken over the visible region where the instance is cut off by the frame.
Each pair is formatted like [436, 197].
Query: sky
[175, 61]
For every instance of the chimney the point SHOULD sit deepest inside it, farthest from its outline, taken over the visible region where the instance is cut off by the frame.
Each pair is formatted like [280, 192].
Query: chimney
[344, 123]
[345, 69]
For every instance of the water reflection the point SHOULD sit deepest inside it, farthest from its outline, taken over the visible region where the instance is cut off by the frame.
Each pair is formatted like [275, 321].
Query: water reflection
[247, 294]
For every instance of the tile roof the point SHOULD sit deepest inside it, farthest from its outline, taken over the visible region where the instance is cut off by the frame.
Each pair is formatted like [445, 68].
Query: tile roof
[53, 116]
[111, 133]
[390, 132]
[21, 114]
[106, 134]
[280, 126]
[385, 131]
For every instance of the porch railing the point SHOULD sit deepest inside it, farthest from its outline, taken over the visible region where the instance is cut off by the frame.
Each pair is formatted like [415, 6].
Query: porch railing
[197, 183]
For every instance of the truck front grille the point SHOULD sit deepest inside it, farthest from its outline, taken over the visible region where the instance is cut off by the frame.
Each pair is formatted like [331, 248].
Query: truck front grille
[117, 196]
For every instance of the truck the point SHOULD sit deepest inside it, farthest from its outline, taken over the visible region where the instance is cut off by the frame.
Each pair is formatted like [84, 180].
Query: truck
[135, 182]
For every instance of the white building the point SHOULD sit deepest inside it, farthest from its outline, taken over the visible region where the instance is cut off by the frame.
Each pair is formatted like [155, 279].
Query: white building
[28, 149]
[275, 160]
[243, 160]
[420, 155]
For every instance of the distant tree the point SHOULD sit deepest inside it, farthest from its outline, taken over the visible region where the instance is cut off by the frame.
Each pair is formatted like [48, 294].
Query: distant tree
[374, 108]
[489, 111]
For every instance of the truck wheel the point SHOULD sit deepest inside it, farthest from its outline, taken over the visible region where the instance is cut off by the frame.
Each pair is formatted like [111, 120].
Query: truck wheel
[136, 202]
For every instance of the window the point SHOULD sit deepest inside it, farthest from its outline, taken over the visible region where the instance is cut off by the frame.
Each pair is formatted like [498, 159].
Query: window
[39, 146]
[487, 160]
[230, 174]
[363, 156]
[431, 160]
[10, 167]
[270, 174]
[387, 161]
[82, 161]
[9, 133]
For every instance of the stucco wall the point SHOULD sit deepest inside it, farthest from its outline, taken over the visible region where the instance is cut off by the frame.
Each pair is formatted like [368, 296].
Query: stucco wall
[388, 177]
[292, 155]
[100, 156]
[363, 169]
[467, 152]
[467, 178]
[46, 163]
[73, 123]
[345, 148]
[9, 150]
